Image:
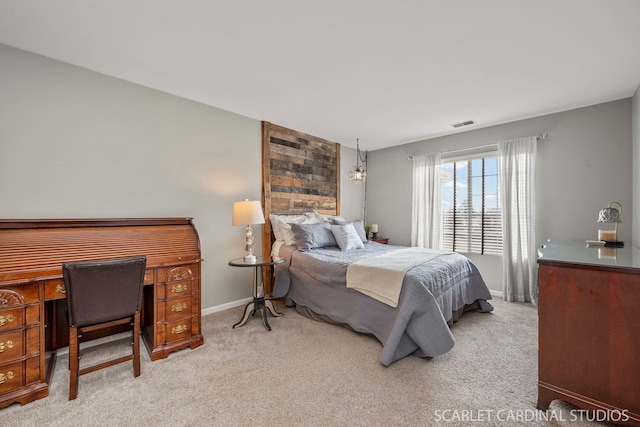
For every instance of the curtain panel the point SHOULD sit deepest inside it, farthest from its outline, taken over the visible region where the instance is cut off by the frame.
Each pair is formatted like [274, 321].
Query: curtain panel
[517, 193]
[426, 215]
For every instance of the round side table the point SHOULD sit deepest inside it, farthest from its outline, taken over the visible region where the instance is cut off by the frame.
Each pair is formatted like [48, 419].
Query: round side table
[259, 301]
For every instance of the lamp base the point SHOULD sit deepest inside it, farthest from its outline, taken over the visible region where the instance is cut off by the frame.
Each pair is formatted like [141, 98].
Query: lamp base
[250, 259]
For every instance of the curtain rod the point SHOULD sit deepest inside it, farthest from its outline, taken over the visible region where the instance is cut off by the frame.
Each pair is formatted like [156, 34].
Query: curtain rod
[538, 137]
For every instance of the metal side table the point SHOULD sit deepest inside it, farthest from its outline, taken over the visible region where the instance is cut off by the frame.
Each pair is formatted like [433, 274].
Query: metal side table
[259, 301]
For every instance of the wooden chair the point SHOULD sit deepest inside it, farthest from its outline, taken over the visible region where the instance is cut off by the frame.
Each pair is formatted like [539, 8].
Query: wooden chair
[100, 295]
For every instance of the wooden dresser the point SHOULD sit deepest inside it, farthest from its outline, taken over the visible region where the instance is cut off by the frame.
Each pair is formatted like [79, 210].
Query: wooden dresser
[589, 329]
[32, 305]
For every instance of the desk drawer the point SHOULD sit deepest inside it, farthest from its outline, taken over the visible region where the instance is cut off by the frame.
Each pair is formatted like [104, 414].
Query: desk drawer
[178, 309]
[11, 319]
[13, 296]
[177, 282]
[11, 345]
[149, 276]
[180, 329]
[18, 374]
[54, 289]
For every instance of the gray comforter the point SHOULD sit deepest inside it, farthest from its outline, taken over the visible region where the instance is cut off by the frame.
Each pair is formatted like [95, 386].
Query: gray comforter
[430, 292]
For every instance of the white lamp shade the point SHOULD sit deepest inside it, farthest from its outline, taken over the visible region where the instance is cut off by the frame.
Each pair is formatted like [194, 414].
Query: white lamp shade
[247, 212]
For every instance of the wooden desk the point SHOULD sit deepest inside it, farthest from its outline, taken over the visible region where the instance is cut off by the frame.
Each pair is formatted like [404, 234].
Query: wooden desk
[32, 305]
[589, 340]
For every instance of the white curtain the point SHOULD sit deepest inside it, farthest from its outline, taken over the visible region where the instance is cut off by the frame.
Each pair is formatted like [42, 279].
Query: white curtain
[517, 195]
[425, 216]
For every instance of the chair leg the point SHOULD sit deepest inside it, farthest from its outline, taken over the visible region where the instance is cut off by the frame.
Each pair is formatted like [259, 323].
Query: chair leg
[136, 345]
[74, 362]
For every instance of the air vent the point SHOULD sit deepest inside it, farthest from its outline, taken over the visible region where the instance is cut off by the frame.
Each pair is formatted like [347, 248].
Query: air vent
[461, 124]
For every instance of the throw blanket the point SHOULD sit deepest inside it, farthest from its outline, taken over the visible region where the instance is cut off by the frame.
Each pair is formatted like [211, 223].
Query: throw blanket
[381, 276]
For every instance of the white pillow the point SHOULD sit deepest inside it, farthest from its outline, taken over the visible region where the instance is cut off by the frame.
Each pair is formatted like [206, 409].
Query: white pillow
[347, 237]
[327, 218]
[282, 229]
[278, 220]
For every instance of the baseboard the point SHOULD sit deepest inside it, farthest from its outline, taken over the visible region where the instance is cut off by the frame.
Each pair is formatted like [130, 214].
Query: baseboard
[226, 306]
[498, 294]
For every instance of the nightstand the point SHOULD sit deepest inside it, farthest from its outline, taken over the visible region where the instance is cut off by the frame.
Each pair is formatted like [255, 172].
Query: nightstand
[259, 301]
[383, 240]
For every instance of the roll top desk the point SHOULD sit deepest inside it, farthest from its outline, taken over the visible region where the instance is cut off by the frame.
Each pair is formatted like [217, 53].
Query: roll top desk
[32, 295]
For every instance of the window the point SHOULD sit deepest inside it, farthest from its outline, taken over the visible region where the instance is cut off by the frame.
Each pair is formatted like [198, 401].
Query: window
[471, 211]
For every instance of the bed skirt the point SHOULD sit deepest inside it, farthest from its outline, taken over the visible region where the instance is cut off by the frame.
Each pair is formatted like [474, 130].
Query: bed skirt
[478, 305]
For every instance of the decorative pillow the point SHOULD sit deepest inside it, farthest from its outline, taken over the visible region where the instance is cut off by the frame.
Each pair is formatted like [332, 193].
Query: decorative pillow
[287, 233]
[280, 225]
[311, 236]
[347, 237]
[357, 225]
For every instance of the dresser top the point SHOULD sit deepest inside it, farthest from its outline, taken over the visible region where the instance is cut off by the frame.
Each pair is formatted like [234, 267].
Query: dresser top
[577, 252]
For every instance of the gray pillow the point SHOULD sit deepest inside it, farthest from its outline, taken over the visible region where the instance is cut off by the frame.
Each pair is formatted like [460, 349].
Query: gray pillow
[312, 236]
[357, 225]
[347, 237]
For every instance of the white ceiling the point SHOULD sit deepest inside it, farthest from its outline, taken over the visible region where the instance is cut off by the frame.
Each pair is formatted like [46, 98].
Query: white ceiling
[385, 71]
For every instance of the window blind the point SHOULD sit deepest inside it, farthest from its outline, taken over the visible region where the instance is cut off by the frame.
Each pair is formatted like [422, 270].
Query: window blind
[471, 211]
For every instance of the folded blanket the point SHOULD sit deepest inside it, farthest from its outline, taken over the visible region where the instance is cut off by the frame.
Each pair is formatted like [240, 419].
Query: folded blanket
[381, 276]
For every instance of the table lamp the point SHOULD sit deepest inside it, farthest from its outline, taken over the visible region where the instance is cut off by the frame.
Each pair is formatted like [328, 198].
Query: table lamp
[374, 231]
[246, 213]
[610, 215]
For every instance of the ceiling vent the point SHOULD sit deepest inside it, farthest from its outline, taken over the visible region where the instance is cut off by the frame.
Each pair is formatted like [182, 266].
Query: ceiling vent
[462, 124]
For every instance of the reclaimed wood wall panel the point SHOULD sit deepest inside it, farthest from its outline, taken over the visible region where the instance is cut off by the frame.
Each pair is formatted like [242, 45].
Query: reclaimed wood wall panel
[301, 173]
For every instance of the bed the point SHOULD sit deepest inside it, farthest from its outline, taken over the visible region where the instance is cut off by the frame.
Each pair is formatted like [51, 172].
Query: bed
[301, 187]
[434, 293]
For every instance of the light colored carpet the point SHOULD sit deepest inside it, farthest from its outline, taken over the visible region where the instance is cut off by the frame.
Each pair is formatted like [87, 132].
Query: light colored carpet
[307, 373]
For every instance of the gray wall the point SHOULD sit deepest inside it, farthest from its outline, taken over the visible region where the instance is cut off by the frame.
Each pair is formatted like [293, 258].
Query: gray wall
[75, 143]
[585, 163]
[78, 144]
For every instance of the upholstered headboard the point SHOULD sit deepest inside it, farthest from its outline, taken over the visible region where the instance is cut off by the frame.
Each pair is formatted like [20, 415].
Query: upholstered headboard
[300, 173]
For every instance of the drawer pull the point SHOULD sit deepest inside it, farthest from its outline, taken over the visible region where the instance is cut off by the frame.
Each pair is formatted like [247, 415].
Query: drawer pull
[5, 377]
[178, 307]
[178, 329]
[60, 289]
[179, 288]
[4, 320]
[4, 346]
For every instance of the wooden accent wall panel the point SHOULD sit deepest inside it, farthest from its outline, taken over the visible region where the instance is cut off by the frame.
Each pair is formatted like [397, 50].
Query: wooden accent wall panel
[301, 173]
